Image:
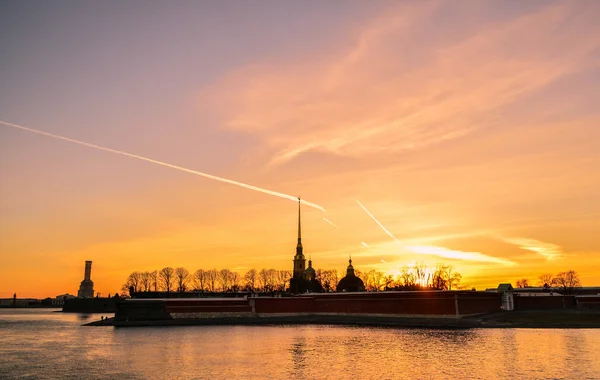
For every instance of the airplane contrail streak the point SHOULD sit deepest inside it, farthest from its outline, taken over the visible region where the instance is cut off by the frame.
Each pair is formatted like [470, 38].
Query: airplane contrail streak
[379, 224]
[364, 244]
[214, 177]
[330, 222]
[441, 251]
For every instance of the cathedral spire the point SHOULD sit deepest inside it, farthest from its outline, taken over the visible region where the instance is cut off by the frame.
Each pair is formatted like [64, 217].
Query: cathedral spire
[299, 230]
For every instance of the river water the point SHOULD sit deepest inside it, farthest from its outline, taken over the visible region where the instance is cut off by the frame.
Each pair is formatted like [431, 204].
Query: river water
[45, 344]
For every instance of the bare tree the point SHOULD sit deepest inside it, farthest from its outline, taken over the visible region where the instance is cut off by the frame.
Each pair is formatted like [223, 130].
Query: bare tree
[250, 279]
[145, 282]
[133, 283]
[224, 275]
[183, 278]
[335, 279]
[200, 279]
[234, 281]
[545, 279]
[523, 283]
[388, 282]
[377, 281]
[212, 276]
[154, 280]
[263, 279]
[453, 278]
[166, 278]
[365, 277]
[567, 281]
[407, 277]
[283, 276]
[420, 272]
[324, 277]
[438, 280]
[272, 279]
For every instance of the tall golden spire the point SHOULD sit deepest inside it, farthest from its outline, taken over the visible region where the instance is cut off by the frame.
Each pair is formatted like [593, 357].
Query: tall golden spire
[299, 225]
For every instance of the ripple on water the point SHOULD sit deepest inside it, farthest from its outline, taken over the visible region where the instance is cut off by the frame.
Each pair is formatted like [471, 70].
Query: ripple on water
[42, 344]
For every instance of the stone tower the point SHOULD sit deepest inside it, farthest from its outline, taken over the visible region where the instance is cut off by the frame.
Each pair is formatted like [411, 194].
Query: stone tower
[86, 289]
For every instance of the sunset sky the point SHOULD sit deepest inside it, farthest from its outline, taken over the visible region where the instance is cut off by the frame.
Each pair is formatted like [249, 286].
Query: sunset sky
[469, 129]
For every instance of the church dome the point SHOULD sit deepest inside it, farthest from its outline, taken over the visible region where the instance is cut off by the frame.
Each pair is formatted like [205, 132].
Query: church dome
[350, 283]
[309, 273]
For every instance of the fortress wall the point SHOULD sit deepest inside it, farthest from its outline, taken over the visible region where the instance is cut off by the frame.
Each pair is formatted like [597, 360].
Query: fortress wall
[382, 303]
[209, 309]
[142, 311]
[208, 306]
[423, 303]
[479, 303]
[264, 305]
[544, 303]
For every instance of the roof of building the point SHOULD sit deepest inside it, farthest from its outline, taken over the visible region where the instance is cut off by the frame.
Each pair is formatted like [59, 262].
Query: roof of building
[505, 287]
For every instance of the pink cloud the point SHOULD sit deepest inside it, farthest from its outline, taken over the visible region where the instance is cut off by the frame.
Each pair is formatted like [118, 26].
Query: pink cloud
[372, 98]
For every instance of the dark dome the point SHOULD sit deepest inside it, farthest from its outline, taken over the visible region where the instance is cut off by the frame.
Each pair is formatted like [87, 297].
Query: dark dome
[351, 284]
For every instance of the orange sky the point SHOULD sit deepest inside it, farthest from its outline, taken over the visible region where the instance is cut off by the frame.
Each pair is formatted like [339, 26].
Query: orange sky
[468, 129]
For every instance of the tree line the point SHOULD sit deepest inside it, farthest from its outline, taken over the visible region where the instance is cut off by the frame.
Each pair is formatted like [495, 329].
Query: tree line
[565, 281]
[443, 277]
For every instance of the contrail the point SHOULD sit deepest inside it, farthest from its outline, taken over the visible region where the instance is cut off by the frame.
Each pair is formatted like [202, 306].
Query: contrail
[232, 182]
[441, 251]
[330, 222]
[365, 244]
[377, 221]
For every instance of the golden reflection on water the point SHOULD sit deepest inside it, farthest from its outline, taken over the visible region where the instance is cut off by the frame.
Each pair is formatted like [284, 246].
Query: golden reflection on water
[55, 346]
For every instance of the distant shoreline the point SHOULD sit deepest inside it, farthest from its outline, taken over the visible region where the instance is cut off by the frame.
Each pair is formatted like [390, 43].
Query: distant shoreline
[514, 319]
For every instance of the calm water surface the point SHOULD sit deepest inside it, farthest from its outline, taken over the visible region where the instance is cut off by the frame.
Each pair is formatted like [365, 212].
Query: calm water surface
[45, 344]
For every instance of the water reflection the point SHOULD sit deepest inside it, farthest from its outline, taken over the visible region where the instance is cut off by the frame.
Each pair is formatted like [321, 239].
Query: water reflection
[54, 345]
[298, 351]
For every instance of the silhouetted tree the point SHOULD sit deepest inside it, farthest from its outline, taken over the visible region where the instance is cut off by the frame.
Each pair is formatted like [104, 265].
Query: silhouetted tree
[183, 277]
[224, 276]
[439, 278]
[250, 279]
[567, 281]
[453, 278]
[263, 279]
[234, 281]
[154, 280]
[407, 277]
[212, 276]
[283, 276]
[166, 278]
[545, 279]
[145, 282]
[523, 283]
[132, 283]
[200, 280]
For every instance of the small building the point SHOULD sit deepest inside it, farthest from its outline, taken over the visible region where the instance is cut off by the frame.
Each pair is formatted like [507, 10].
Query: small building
[508, 302]
[59, 301]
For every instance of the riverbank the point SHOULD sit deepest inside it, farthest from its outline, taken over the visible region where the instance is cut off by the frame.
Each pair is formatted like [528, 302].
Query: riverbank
[515, 319]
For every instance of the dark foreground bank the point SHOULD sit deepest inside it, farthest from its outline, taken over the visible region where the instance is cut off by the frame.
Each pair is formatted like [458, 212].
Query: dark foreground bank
[515, 319]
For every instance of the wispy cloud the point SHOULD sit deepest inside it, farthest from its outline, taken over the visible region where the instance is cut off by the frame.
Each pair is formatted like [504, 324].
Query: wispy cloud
[372, 98]
[459, 255]
[548, 250]
[440, 251]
